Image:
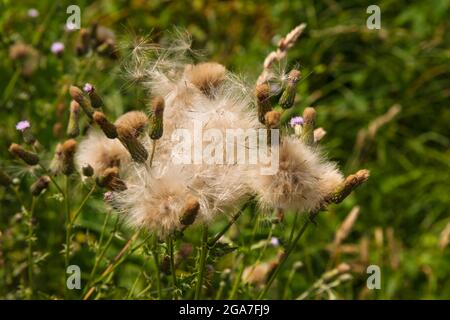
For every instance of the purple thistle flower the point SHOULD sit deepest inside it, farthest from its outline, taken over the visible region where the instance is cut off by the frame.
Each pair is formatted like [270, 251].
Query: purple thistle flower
[33, 13]
[23, 125]
[274, 241]
[296, 121]
[88, 87]
[57, 48]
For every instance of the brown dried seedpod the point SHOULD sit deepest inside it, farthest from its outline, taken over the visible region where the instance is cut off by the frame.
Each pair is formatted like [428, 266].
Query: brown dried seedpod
[156, 118]
[190, 211]
[350, 183]
[73, 129]
[309, 118]
[264, 105]
[207, 76]
[135, 121]
[68, 151]
[107, 127]
[110, 180]
[128, 138]
[79, 97]
[28, 157]
[41, 184]
[272, 119]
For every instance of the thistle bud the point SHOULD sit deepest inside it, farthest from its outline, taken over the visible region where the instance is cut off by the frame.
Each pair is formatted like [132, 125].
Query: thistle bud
[87, 170]
[272, 119]
[68, 151]
[28, 157]
[348, 185]
[156, 118]
[5, 179]
[134, 147]
[110, 180]
[287, 98]
[96, 100]
[309, 118]
[262, 92]
[190, 211]
[56, 164]
[79, 97]
[41, 184]
[107, 127]
[73, 129]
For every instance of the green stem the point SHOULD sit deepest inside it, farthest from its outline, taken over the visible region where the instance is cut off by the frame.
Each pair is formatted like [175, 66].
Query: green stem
[68, 223]
[286, 255]
[202, 263]
[234, 218]
[83, 202]
[30, 245]
[153, 152]
[237, 281]
[172, 267]
[156, 260]
[294, 224]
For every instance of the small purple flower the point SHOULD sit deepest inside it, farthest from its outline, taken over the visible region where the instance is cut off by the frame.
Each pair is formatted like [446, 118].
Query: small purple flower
[33, 13]
[88, 87]
[274, 241]
[57, 48]
[296, 121]
[23, 125]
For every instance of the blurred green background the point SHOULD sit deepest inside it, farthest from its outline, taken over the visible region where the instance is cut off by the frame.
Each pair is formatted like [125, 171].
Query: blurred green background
[352, 75]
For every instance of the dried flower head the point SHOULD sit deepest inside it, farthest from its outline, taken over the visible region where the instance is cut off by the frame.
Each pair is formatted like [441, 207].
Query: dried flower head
[207, 76]
[309, 117]
[41, 184]
[107, 127]
[26, 56]
[101, 153]
[110, 180]
[156, 118]
[303, 181]
[79, 97]
[73, 129]
[262, 93]
[288, 97]
[68, 151]
[28, 157]
[56, 164]
[133, 121]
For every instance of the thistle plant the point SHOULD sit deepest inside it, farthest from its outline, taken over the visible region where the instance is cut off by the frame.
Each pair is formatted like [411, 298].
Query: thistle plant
[133, 160]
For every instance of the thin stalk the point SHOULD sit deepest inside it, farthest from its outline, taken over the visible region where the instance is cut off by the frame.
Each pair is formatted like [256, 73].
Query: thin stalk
[294, 224]
[202, 263]
[30, 245]
[83, 202]
[286, 255]
[172, 267]
[68, 223]
[153, 152]
[237, 281]
[156, 261]
[234, 218]
[52, 179]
